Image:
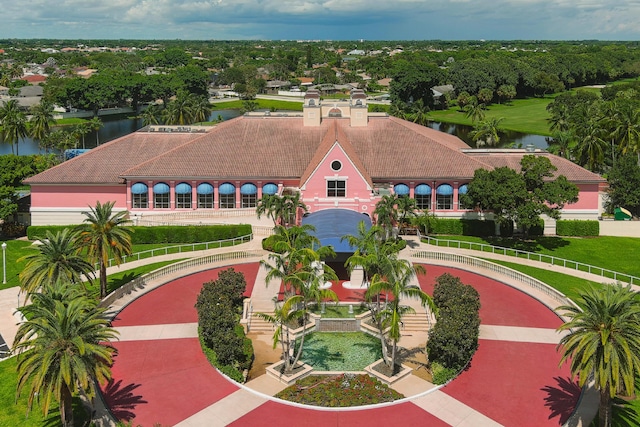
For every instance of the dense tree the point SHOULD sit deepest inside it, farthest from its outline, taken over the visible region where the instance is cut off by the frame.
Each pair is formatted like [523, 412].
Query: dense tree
[414, 83]
[63, 349]
[624, 185]
[603, 342]
[521, 197]
[104, 233]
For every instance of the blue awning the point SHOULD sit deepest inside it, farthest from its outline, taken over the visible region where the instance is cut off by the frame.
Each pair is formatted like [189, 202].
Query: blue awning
[444, 190]
[270, 189]
[227, 188]
[423, 190]
[463, 189]
[183, 188]
[204, 188]
[139, 188]
[401, 189]
[161, 188]
[249, 189]
[332, 224]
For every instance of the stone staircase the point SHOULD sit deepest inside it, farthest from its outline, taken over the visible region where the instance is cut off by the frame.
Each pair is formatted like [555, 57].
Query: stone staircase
[416, 322]
[260, 326]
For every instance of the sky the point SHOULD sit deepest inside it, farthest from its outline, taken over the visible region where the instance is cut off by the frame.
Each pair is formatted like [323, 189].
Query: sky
[322, 19]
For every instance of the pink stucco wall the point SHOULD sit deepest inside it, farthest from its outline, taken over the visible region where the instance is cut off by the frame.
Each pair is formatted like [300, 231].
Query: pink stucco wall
[587, 199]
[358, 194]
[77, 196]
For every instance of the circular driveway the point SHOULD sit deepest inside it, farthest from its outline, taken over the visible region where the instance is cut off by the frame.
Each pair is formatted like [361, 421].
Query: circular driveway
[161, 376]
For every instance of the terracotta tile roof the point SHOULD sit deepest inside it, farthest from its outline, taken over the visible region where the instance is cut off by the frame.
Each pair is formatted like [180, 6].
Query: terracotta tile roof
[106, 163]
[335, 135]
[511, 159]
[274, 147]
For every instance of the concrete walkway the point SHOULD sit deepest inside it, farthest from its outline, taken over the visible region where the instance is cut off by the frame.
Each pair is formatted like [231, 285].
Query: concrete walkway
[234, 406]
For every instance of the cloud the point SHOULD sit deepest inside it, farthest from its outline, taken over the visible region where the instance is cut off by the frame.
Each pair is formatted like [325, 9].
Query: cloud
[326, 19]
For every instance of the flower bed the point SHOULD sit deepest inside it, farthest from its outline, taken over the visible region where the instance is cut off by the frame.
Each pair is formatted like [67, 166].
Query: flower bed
[339, 391]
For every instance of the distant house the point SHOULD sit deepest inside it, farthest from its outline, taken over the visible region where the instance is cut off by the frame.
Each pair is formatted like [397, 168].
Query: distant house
[356, 52]
[273, 86]
[34, 79]
[439, 91]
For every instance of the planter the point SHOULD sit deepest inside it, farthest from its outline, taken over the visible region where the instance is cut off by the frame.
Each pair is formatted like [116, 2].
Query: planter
[404, 371]
[301, 370]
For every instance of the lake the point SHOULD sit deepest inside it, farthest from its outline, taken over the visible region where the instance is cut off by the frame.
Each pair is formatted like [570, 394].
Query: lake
[118, 126]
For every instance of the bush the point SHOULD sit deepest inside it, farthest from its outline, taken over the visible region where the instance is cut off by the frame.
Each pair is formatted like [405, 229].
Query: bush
[454, 338]
[219, 307]
[440, 374]
[577, 228]
[164, 234]
[461, 227]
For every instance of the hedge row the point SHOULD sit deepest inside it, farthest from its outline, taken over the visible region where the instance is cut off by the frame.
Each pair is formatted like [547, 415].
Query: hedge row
[219, 307]
[476, 227]
[454, 338]
[577, 228]
[164, 234]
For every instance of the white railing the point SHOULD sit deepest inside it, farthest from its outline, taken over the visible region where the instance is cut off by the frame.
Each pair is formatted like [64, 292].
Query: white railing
[170, 217]
[262, 230]
[532, 256]
[142, 281]
[184, 248]
[535, 284]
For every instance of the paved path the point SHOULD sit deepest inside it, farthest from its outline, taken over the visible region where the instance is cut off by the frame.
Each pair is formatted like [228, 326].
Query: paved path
[161, 375]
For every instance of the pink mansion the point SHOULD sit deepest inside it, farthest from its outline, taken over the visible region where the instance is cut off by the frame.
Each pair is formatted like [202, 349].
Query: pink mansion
[335, 153]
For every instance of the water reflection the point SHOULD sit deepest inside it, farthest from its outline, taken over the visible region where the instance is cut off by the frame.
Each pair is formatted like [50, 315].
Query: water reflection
[113, 127]
[508, 139]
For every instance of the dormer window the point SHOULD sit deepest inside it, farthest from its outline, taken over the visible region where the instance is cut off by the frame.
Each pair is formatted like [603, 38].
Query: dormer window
[312, 102]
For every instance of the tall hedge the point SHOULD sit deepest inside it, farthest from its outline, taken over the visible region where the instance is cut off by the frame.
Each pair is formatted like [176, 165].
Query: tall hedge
[577, 228]
[461, 227]
[454, 338]
[219, 307]
[165, 233]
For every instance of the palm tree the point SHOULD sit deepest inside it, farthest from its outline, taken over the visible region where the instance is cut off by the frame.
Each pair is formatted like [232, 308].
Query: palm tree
[387, 213]
[626, 122]
[406, 208]
[179, 111]
[95, 124]
[562, 144]
[603, 342]
[151, 115]
[57, 259]
[475, 110]
[41, 120]
[14, 124]
[104, 233]
[487, 132]
[285, 314]
[62, 349]
[81, 129]
[396, 281]
[591, 146]
[271, 206]
[201, 109]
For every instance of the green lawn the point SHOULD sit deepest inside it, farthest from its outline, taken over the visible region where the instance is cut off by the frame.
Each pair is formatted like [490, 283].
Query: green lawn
[613, 253]
[522, 115]
[262, 104]
[15, 413]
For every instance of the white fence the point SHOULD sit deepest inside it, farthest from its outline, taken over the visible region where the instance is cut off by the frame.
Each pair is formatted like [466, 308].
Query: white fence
[141, 282]
[532, 256]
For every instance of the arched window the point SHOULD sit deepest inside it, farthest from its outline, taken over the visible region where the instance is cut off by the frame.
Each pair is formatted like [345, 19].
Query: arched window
[161, 195]
[401, 189]
[444, 197]
[462, 190]
[249, 194]
[270, 189]
[227, 192]
[205, 195]
[183, 196]
[140, 196]
[423, 196]
[312, 102]
[335, 112]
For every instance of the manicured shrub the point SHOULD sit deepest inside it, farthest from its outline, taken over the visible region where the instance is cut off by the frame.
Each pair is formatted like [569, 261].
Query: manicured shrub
[165, 234]
[440, 374]
[461, 227]
[454, 338]
[577, 228]
[219, 307]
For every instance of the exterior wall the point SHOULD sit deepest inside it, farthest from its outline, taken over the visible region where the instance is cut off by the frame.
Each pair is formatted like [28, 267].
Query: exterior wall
[66, 196]
[588, 198]
[358, 193]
